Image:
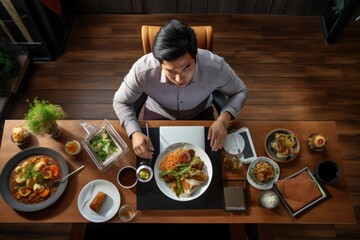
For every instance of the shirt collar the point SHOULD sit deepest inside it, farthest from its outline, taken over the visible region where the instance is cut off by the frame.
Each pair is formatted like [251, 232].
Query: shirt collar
[163, 78]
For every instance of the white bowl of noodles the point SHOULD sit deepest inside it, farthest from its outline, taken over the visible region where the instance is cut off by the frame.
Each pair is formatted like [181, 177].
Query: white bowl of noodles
[199, 187]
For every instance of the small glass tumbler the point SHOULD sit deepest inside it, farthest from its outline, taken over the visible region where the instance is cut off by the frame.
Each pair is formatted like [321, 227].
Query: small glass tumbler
[232, 159]
[127, 212]
[327, 172]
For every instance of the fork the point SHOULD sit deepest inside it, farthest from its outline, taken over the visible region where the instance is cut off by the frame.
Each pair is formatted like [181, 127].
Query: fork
[57, 182]
[88, 196]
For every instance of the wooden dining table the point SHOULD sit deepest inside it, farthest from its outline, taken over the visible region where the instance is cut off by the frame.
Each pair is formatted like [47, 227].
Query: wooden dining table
[335, 209]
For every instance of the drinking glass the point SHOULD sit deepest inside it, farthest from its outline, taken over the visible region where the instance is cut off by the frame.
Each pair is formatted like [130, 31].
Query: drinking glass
[232, 158]
[127, 212]
[327, 172]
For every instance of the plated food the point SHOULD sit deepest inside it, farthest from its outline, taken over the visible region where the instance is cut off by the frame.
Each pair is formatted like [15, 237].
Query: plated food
[19, 135]
[72, 147]
[263, 173]
[183, 171]
[104, 144]
[317, 142]
[32, 180]
[26, 182]
[109, 206]
[282, 145]
[98, 201]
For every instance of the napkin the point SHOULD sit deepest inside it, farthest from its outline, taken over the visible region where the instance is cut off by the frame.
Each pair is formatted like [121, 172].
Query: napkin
[174, 134]
[298, 191]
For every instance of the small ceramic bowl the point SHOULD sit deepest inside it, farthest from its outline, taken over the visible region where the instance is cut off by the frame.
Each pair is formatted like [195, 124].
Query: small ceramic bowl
[72, 147]
[327, 172]
[317, 142]
[144, 173]
[126, 177]
[269, 199]
[25, 135]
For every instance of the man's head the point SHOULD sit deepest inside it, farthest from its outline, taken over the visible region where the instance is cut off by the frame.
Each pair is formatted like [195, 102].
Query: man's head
[175, 47]
[173, 40]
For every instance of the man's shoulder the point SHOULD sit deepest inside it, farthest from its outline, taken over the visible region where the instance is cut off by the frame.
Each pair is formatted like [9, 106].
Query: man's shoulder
[146, 63]
[209, 59]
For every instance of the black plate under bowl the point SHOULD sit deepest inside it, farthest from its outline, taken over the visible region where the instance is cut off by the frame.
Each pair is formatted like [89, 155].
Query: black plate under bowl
[14, 161]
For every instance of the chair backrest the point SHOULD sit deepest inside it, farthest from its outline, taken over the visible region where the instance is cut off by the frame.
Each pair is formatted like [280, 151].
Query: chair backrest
[204, 37]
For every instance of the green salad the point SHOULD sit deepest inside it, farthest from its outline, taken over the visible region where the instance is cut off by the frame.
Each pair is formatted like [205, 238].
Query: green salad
[103, 145]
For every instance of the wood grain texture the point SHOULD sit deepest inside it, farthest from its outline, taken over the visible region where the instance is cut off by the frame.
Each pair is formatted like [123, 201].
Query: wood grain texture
[291, 75]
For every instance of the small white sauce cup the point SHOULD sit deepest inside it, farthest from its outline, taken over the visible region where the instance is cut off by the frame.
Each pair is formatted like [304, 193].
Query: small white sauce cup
[269, 199]
[144, 173]
[72, 147]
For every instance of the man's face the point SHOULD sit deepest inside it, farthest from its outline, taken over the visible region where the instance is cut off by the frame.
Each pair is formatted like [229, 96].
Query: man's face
[180, 71]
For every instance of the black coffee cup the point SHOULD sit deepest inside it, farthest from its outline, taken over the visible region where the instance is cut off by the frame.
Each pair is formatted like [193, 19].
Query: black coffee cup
[327, 172]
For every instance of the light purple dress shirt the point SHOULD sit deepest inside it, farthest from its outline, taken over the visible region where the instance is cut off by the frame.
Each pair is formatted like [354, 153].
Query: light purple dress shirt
[171, 101]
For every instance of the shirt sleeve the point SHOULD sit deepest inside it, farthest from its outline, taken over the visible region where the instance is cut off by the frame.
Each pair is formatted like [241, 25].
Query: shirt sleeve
[234, 88]
[123, 100]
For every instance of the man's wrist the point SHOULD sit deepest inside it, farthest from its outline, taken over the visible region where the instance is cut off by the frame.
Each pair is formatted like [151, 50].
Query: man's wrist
[225, 118]
[223, 123]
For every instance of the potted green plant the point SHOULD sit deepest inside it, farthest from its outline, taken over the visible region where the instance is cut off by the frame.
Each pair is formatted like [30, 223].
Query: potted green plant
[10, 66]
[42, 118]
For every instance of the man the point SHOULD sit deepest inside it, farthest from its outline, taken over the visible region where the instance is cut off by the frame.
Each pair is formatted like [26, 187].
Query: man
[178, 79]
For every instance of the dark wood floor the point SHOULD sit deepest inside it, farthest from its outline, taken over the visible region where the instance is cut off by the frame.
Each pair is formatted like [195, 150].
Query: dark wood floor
[291, 75]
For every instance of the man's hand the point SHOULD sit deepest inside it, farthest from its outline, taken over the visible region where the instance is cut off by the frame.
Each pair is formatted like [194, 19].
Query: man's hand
[217, 134]
[141, 146]
[218, 131]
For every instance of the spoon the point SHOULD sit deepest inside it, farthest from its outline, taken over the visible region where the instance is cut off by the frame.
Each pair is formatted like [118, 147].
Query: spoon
[64, 178]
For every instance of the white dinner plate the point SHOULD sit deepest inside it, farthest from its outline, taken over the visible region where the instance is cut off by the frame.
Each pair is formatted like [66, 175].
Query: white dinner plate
[164, 187]
[252, 180]
[109, 208]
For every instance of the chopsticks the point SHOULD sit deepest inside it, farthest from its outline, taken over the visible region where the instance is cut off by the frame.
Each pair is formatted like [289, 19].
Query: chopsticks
[147, 132]
[148, 139]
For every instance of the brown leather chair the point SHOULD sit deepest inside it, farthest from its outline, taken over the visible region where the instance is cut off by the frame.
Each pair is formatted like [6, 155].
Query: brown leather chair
[204, 38]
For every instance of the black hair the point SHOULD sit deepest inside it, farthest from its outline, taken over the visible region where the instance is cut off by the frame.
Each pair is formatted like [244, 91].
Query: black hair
[174, 40]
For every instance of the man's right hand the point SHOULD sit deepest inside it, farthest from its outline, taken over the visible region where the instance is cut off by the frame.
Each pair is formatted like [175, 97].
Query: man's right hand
[142, 145]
